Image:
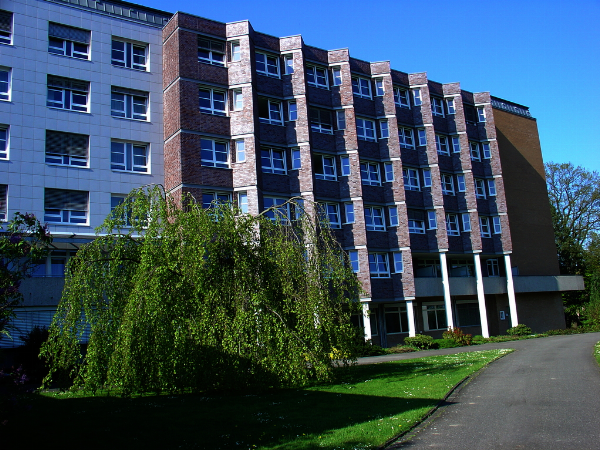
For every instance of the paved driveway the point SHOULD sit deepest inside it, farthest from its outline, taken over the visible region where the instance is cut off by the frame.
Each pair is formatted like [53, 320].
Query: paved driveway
[545, 395]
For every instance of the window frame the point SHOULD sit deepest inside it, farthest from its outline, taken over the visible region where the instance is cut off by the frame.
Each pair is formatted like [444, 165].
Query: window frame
[375, 214]
[394, 220]
[362, 87]
[271, 167]
[491, 184]
[3, 202]
[217, 198]
[432, 219]
[388, 169]
[282, 210]
[340, 117]
[331, 210]
[318, 122]
[67, 47]
[379, 86]
[422, 134]
[436, 308]
[237, 99]
[398, 262]
[313, 70]
[266, 72]
[296, 159]
[65, 158]
[349, 212]
[496, 225]
[452, 227]
[437, 106]
[336, 73]
[210, 58]
[235, 51]
[441, 143]
[288, 64]
[292, 111]
[6, 34]
[379, 261]
[4, 142]
[450, 106]
[384, 129]
[270, 110]
[130, 101]
[486, 150]
[475, 151]
[345, 166]
[129, 157]
[466, 222]
[484, 227]
[354, 260]
[403, 101]
[323, 175]
[403, 137]
[129, 56]
[455, 144]
[461, 183]
[362, 130]
[240, 150]
[66, 215]
[411, 179]
[370, 180]
[214, 161]
[447, 184]
[479, 188]
[68, 94]
[481, 116]
[212, 109]
[5, 93]
[427, 182]
[417, 98]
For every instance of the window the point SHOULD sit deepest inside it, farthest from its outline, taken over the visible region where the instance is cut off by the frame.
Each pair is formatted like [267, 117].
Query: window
[337, 76]
[487, 153]
[267, 65]
[484, 227]
[345, 162]
[434, 317]
[129, 156]
[374, 218]
[115, 201]
[401, 98]
[280, 211]
[393, 210]
[214, 154]
[492, 187]
[426, 177]
[63, 206]
[243, 202]
[129, 104]
[320, 121]
[129, 54]
[466, 222]
[411, 179]
[316, 76]
[416, 221]
[479, 188]
[467, 314]
[238, 101]
[422, 137]
[450, 106]
[3, 141]
[379, 87]
[361, 87]
[493, 268]
[330, 213]
[398, 263]
[365, 130]
[378, 265]
[341, 119]
[211, 52]
[269, 111]
[324, 167]
[418, 101]
[447, 184]
[406, 138]
[240, 151]
[460, 181]
[455, 144]
[349, 211]
[236, 51]
[441, 143]
[470, 114]
[288, 62]
[296, 159]
[273, 161]
[5, 73]
[213, 199]
[67, 93]
[369, 174]
[481, 114]
[497, 225]
[475, 155]
[5, 27]
[292, 111]
[452, 225]
[384, 129]
[396, 320]
[353, 257]
[67, 148]
[431, 220]
[212, 101]
[68, 41]
[389, 171]
[3, 201]
[437, 106]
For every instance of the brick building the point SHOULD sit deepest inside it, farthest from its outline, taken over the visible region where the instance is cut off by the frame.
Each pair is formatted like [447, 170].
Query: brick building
[438, 194]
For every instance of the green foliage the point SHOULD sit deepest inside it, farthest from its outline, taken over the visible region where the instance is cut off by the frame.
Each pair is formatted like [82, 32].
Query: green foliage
[519, 330]
[401, 349]
[457, 335]
[194, 299]
[420, 341]
[445, 343]
[23, 241]
[367, 348]
[591, 311]
[479, 339]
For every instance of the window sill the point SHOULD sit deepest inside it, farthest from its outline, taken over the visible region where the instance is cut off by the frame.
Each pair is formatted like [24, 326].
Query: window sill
[67, 165]
[68, 110]
[130, 68]
[131, 172]
[68, 224]
[131, 119]
[71, 57]
[264, 74]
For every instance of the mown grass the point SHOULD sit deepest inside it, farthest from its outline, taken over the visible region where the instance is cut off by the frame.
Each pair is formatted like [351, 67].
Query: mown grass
[363, 409]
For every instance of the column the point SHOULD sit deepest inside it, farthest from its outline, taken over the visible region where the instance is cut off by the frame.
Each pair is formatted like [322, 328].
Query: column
[366, 321]
[410, 312]
[446, 286]
[481, 297]
[510, 289]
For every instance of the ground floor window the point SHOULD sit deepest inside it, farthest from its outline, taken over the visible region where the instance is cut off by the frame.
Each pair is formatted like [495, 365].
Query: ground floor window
[396, 319]
[467, 313]
[434, 316]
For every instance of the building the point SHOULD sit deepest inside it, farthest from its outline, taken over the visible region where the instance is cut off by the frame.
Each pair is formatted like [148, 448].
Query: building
[438, 194]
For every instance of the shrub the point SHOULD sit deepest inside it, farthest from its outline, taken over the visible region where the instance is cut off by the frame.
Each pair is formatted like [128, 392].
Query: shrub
[401, 349]
[519, 330]
[446, 343]
[367, 348]
[458, 336]
[420, 341]
[479, 339]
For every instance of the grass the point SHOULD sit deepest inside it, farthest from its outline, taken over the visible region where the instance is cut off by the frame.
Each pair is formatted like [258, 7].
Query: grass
[597, 352]
[367, 406]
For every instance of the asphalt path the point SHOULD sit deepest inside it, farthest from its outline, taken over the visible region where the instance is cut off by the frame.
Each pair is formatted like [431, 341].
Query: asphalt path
[545, 395]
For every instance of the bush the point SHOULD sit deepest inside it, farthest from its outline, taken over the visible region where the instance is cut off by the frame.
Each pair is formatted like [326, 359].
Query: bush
[420, 341]
[519, 330]
[458, 336]
[401, 349]
[367, 348]
[445, 343]
[479, 339]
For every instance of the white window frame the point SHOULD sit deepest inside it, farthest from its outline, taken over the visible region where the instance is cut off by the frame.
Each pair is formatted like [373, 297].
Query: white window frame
[492, 187]
[345, 165]
[373, 177]
[282, 210]
[354, 260]
[452, 225]
[411, 179]
[134, 55]
[70, 99]
[67, 215]
[384, 129]
[365, 130]
[431, 220]
[4, 141]
[388, 169]
[68, 47]
[436, 308]
[497, 225]
[349, 212]
[461, 183]
[379, 266]
[417, 98]
[475, 152]
[6, 34]
[416, 226]
[324, 168]
[373, 214]
[216, 107]
[5, 83]
[341, 119]
[65, 156]
[236, 51]
[466, 222]
[320, 125]
[332, 212]
[210, 150]
[379, 87]
[422, 133]
[273, 106]
[398, 262]
[270, 70]
[292, 111]
[406, 137]
[242, 201]
[215, 56]
[337, 75]
[314, 71]
[130, 105]
[271, 168]
[296, 159]
[447, 184]
[437, 106]
[426, 177]
[479, 188]
[486, 150]
[450, 106]
[441, 144]
[481, 114]
[237, 99]
[361, 87]
[3, 202]
[240, 151]
[131, 161]
[216, 198]
[484, 227]
[288, 64]
[401, 97]
[393, 213]
[455, 144]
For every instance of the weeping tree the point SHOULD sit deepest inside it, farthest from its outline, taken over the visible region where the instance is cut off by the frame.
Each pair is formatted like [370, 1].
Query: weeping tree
[191, 299]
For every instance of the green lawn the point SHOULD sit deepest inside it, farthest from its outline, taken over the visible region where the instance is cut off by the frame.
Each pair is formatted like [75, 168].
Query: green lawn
[597, 352]
[367, 406]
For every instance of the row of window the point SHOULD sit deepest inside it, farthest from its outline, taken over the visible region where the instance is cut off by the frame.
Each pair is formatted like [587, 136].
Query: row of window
[419, 221]
[415, 179]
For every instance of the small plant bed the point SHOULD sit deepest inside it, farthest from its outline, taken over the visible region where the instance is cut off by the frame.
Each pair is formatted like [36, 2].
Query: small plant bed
[365, 408]
[597, 352]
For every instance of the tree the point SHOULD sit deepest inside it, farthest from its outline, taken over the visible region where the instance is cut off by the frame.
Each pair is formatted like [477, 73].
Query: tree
[23, 242]
[194, 299]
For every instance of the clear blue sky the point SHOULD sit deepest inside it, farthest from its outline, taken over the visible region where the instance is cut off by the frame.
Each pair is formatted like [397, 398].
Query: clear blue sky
[542, 54]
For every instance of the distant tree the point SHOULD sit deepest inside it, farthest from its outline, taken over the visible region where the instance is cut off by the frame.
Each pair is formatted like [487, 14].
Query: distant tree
[193, 299]
[23, 242]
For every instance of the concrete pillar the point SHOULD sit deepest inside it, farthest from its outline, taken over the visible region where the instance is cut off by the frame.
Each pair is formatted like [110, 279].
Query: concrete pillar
[481, 297]
[446, 285]
[366, 320]
[410, 312]
[510, 289]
